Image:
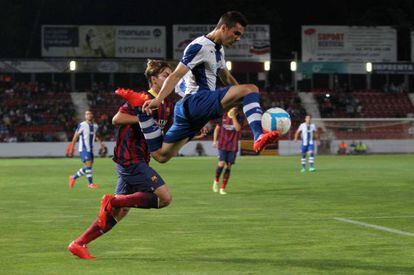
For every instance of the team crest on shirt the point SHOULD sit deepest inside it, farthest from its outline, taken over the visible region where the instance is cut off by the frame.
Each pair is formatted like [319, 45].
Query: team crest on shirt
[154, 178]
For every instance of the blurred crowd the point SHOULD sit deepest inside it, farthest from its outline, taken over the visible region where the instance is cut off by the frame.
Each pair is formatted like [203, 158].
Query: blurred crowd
[339, 104]
[36, 112]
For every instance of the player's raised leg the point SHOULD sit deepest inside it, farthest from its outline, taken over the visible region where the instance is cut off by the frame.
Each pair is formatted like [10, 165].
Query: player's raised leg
[79, 248]
[248, 95]
[140, 196]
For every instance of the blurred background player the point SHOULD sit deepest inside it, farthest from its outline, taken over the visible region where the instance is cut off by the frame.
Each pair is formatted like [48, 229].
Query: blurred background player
[86, 133]
[309, 135]
[202, 64]
[226, 139]
[138, 185]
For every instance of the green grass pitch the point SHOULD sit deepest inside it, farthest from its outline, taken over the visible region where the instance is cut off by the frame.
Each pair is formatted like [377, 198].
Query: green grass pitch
[274, 220]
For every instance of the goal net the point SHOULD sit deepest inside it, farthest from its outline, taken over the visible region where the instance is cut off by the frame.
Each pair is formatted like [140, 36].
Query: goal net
[377, 135]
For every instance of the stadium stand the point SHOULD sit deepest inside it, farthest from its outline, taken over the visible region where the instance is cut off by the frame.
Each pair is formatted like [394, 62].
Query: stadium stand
[366, 104]
[36, 112]
[363, 103]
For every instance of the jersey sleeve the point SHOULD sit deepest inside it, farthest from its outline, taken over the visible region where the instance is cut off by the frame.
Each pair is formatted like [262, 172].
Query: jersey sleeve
[181, 87]
[79, 129]
[127, 109]
[192, 55]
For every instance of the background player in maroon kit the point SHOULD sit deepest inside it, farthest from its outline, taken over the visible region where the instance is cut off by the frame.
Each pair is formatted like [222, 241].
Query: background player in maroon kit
[226, 139]
[138, 185]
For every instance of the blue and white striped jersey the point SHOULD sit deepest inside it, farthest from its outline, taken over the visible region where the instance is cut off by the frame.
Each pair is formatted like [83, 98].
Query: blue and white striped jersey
[307, 131]
[204, 58]
[87, 136]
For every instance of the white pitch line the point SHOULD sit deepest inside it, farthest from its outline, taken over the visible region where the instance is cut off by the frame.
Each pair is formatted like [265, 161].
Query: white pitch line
[378, 227]
[384, 217]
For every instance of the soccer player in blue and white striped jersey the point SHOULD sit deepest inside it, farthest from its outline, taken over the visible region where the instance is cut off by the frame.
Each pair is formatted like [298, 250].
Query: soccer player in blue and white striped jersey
[86, 133]
[309, 136]
[202, 64]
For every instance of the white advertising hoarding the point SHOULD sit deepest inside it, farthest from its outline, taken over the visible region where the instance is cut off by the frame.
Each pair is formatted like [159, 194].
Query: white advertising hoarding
[349, 44]
[104, 41]
[253, 46]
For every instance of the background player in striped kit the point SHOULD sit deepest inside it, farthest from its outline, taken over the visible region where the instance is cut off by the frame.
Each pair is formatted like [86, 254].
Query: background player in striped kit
[309, 136]
[138, 186]
[86, 133]
[226, 139]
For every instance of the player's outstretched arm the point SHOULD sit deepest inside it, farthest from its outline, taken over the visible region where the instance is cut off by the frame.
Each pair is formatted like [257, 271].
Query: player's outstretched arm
[236, 123]
[75, 138]
[297, 134]
[70, 150]
[215, 135]
[167, 88]
[124, 119]
[227, 78]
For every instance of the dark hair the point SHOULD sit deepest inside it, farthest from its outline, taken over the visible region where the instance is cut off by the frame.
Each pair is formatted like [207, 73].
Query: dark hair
[231, 18]
[155, 67]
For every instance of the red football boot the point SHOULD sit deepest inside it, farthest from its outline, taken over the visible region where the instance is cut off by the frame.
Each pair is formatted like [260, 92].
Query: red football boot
[93, 186]
[106, 208]
[80, 250]
[265, 139]
[133, 98]
[72, 181]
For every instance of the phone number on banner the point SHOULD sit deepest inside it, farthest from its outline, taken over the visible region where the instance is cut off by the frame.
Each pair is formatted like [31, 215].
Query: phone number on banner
[131, 50]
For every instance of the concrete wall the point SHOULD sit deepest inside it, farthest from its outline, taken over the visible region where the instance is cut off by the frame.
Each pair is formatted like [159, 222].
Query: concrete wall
[57, 149]
[287, 147]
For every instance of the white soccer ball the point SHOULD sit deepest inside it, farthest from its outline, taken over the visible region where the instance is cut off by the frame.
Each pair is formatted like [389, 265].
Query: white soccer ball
[276, 119]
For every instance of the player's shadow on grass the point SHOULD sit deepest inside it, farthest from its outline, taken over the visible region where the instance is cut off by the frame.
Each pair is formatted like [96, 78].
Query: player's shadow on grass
[252, 264]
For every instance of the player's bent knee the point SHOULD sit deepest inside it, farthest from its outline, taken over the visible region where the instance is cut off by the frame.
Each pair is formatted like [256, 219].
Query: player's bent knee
[163, 159]
[119, 213]
[164, 202]
[251, 88]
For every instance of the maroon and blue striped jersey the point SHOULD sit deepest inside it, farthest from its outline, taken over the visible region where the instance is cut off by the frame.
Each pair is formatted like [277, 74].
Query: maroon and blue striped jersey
[228, 137]
[131, 147]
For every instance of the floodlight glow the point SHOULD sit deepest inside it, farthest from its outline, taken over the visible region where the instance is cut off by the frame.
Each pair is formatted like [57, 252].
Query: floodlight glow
[228, 65]
[72, 65]
[293, 66]
[368, 67]
[267, 66]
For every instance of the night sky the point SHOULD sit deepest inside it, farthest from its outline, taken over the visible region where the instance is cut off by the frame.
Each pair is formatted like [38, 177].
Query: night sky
[21, 20]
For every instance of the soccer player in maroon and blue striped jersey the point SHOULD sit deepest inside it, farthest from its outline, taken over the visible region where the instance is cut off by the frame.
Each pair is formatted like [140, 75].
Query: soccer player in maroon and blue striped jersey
[227, 133]
[139, 185]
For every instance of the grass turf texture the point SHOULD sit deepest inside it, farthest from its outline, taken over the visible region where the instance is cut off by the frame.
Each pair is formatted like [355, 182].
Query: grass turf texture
[274, 219]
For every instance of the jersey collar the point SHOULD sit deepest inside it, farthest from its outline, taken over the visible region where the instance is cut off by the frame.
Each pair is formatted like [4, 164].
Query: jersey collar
[216, 45]
[152, 92]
